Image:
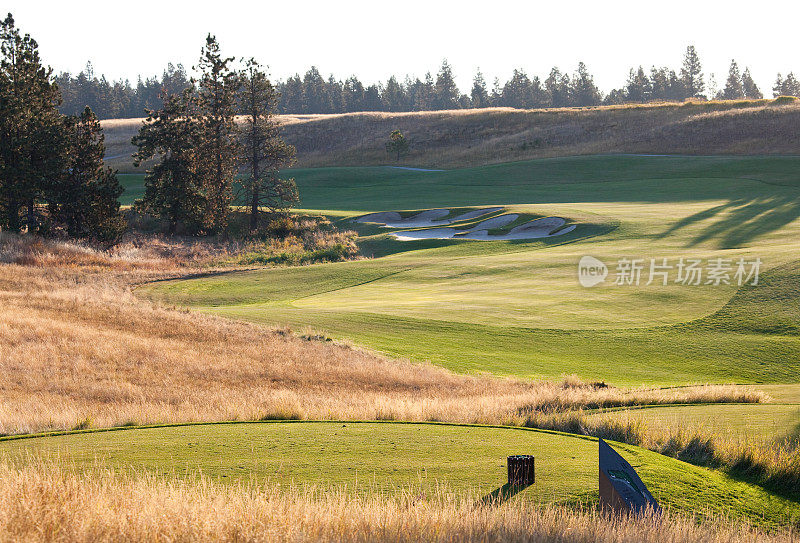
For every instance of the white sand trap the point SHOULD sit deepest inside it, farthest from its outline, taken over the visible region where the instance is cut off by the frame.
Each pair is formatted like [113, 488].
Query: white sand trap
[474, 214]
[536, 229]
[540, 228]
[495, 222]
[380, 218]
[393, 219]
[431, 217]
[430, 233]
[424, 219]
[546, 223]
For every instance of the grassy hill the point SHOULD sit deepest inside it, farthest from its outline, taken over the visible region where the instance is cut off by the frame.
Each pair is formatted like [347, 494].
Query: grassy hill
[390, 458]
[516, 308]
[459, 138]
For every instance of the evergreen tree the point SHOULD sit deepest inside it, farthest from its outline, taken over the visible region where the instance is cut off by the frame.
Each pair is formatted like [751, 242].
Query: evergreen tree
[353, 92]
[791, 86]
[31, 129]
[557, 87]
[584, 92]
[445, 94]
[394, 97]
[777, 88]
[517, 91]
[216, 101]
[497, 93]
[692, 74]
[314, 95]
[479, 96]
[397, 144]
[749, 86]
[264, 153]
[638, 89]
[334, 91]
[85, 199]
[786, 87]
[174, 186]
[372, 98]
[291, 100]
[733, 85]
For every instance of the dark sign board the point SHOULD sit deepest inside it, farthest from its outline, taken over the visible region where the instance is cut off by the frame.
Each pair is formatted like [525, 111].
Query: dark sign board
[621, 489]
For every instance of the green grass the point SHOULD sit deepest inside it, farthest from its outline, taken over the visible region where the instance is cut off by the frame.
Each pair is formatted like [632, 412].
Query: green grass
[745, 423]
[516, 308]
[390, 457]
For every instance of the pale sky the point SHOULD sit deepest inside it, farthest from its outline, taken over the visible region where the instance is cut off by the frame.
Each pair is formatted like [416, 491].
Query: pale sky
[374, 39]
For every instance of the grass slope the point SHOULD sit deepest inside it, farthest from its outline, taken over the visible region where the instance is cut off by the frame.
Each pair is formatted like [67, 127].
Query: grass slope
[448, 139]
[743, 423]
[391, 457]
[516, 308]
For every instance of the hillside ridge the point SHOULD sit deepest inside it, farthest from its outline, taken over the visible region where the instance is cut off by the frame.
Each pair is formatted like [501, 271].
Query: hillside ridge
[459, 138]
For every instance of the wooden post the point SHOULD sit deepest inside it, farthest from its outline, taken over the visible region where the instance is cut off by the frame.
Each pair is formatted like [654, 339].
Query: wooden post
[521, 470]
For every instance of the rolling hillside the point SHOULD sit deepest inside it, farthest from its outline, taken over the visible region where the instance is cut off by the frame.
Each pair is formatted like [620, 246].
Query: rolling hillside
[447, 139]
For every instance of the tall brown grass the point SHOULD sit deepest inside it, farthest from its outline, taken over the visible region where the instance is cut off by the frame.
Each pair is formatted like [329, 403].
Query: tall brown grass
[458, 138]
[78, 349]
[49, 502]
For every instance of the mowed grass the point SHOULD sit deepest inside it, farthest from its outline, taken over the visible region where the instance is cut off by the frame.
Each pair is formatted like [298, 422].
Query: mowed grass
[763, 423]
[516, 308]
[366, 458]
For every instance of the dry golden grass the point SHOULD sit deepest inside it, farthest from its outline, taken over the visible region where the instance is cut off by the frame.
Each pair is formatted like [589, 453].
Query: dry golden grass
[472, 137]
[48, 502]
[77, 346]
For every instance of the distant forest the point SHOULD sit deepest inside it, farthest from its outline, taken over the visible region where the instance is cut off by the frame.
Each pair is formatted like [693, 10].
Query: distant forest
[312, 93]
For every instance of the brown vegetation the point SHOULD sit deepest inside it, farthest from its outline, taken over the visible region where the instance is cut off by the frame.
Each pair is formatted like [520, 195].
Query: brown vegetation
[48, 502]
[78, 347]
[458, 138]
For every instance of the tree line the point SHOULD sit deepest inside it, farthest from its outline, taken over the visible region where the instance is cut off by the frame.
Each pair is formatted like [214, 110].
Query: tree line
[52, 177]
[312, 93]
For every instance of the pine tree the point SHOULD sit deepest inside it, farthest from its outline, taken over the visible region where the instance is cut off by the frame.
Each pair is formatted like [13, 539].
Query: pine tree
[517, 91]
[264, 153]
[394, 97]
[583, 90]
[557, 88]
[173, 187]
[353, 94]
[791, 86]
[217, 89]
[85, 199]
[479, 97]
[786, 87]
[638, 89]
[692, 74]
[397, 144]
[445, 91]
[777, 88]
[749, 86]
[31, 129]
[733, 85]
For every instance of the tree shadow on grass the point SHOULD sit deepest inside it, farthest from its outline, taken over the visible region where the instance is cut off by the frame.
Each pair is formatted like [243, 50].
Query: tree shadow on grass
[740, 221]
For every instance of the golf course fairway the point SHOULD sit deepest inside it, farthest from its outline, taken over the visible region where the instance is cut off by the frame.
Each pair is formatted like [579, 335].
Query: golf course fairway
[517, 307]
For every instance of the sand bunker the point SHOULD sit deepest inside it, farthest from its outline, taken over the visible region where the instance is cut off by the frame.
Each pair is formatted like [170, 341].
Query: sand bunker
[495, 222]
[536, 229]
[474, 214]
[431, 217]
[428, 233]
